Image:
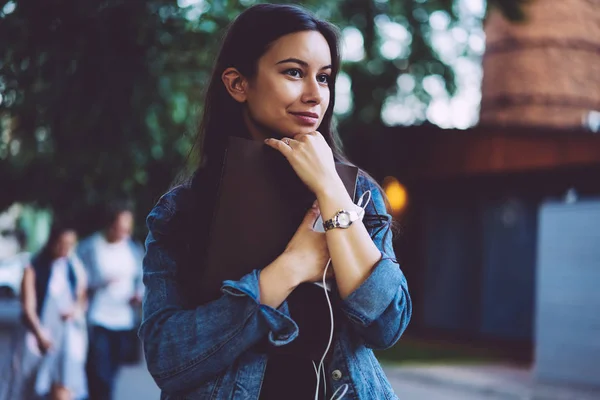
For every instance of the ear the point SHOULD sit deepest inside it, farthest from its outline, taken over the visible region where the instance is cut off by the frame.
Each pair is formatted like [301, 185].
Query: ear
[235, 83]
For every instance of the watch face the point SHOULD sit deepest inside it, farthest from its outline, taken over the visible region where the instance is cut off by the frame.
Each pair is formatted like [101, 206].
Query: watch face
[343, 219]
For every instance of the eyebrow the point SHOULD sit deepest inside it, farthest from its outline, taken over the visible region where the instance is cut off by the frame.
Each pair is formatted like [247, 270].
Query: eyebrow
[303, 63]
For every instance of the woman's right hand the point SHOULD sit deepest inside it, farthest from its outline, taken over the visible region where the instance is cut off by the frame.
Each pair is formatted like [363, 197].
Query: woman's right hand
[307, 253]
[303, 260]
[44, 344]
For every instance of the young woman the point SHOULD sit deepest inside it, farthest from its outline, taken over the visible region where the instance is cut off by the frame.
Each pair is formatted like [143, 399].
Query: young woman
[53, 296]
[274, 81]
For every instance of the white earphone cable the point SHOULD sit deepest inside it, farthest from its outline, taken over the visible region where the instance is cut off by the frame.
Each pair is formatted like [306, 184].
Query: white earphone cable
[321, 367]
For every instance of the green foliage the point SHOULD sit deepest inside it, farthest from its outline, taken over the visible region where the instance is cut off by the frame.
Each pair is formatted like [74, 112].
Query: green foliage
[100, 99]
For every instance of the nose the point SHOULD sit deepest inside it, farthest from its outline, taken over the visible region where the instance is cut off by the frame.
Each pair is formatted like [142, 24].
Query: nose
[312, 92]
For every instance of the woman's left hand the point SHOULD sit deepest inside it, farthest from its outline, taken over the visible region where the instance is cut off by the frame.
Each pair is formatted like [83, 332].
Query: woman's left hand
[311, 157]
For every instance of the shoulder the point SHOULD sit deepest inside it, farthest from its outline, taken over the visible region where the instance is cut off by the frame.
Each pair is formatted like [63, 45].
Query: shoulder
[77, 265]
[76, 262]
[367, 183]
[29, 277]
[37, 262]
[29, 271]
[87, 246]
[168, 206]
[89, 240]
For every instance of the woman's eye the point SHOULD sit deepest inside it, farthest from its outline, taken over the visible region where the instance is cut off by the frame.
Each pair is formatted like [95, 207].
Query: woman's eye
[324, 78]
[294, 73]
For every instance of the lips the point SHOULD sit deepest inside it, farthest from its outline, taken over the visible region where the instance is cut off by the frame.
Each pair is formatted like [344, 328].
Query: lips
[306, 114]
[306, 118]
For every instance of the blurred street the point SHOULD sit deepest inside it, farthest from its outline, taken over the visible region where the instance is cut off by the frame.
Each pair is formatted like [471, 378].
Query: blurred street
[493, 382]
[470, 382]
[135, 382]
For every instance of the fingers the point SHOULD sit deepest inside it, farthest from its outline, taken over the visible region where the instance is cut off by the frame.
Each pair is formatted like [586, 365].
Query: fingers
[311, 217]
[286, 145]
[304, 137]
[280, 146]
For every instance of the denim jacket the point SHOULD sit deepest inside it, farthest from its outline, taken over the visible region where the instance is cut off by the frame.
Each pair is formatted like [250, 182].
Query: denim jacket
[210, 352]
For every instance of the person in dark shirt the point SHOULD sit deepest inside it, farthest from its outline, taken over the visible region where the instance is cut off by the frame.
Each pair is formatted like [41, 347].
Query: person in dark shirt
[265, 336]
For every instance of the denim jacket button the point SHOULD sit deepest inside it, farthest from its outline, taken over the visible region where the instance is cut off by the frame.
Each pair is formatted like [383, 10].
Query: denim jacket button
[336, 375]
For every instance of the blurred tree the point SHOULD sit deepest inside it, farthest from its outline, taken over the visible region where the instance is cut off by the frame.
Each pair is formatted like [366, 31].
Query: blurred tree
[99, 99]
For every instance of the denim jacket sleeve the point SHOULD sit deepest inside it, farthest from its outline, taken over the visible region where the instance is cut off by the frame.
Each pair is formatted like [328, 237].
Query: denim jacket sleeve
[380, 308]
[185, 347]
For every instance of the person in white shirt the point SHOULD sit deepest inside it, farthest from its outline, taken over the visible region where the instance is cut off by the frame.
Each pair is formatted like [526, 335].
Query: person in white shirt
[114, 265]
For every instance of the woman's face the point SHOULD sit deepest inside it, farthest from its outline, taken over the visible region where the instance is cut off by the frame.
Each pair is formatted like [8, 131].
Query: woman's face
[290, 92]
[64, 245]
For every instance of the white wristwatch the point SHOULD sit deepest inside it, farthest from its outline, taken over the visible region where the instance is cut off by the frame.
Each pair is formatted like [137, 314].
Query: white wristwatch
[343, 219]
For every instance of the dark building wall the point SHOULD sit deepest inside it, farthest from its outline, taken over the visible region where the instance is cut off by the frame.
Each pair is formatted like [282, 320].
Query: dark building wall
[451, 267]
[509, 231]
[479, 263]
[468, 249]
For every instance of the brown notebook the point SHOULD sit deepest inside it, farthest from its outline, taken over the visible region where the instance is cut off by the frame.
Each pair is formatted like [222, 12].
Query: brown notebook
[261, 202]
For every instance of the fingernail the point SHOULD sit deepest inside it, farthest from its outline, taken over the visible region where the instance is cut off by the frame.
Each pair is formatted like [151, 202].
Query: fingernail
[315, 204]
[267, 140]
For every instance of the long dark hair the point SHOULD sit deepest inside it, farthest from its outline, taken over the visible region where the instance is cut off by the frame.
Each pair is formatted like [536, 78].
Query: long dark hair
[56, 231]
[246, 41]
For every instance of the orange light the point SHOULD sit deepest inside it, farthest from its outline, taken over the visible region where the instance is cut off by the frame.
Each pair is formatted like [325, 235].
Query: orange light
[396, 193]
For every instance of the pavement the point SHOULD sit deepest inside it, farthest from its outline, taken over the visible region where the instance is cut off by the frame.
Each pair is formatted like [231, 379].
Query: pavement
[431, 382]
[495, 381]
[135, 382]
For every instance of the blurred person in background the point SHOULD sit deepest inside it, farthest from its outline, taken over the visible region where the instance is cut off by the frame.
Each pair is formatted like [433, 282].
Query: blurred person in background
[12, 267]
[113, 262]
[53, 297]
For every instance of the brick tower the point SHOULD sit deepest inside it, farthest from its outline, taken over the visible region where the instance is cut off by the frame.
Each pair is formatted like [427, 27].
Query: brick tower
[545, 71]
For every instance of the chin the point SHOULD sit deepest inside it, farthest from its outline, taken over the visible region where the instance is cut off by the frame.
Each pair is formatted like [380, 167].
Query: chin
[293, 130]
[301, 130]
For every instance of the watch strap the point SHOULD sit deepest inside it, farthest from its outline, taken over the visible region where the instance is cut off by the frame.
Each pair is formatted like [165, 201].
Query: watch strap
[334, 223]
